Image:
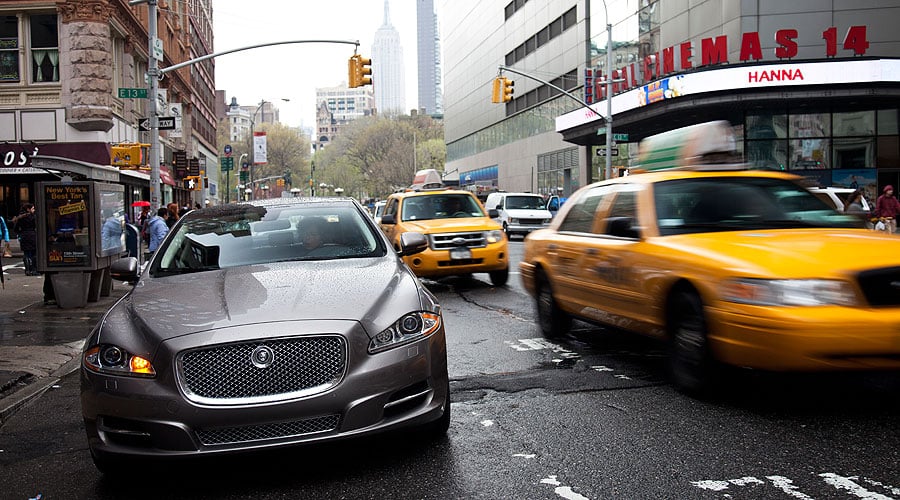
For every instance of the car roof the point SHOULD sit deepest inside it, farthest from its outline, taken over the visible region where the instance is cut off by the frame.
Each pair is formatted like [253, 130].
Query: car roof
[429, 192]
[658, 176]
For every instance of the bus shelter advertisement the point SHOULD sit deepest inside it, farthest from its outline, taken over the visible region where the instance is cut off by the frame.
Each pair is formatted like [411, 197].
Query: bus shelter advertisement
[68, 225]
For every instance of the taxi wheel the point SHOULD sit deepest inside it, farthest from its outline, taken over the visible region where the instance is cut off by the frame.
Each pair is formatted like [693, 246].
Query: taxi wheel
[690, 362]
[499, 278]
[554, 322]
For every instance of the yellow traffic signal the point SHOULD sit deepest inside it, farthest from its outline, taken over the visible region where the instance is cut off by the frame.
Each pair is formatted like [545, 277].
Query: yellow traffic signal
[127, 155]
[497, 91]
[508, 89]
[358, 70]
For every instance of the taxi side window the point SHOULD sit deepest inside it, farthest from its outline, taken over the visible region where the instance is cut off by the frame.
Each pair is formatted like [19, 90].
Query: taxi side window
[390, 207]
[622, 215]
[580, 218]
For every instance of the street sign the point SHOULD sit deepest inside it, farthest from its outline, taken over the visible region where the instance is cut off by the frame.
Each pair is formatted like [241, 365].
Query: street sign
[601, 151]
[228, 150]
[179, 160]
[132, 93]
[194, 167]
[158, 49]
[144, 124]
[167, 123]
[226, 163]
[620, 137]
[245, 176]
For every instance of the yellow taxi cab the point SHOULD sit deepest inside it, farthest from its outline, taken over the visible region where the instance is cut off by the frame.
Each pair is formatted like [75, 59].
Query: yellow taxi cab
[728, 265]
[462, 238]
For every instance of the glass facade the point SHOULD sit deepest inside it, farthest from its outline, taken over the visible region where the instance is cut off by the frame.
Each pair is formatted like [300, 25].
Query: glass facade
[822, 141]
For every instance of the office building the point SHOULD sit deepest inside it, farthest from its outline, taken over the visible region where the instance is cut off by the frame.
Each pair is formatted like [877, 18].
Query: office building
[810, 87]
[428, 50]
[388, 73]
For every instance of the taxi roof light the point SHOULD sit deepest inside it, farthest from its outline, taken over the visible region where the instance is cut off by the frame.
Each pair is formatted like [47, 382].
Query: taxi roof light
[704, 146]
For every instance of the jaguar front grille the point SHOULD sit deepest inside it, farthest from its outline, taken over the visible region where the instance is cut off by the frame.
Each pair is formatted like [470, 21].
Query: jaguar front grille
[262, 370]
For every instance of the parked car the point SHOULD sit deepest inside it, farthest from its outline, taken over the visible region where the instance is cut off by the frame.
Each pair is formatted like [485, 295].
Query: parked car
[728, 266]
[379, 210]
[462, 238]
[836, 197]
[237, 336]
[519, 213]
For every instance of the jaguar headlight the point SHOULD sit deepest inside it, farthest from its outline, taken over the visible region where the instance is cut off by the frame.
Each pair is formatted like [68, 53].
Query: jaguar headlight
[411, 327]
[789, 292]
[493, 236]
[113, 360]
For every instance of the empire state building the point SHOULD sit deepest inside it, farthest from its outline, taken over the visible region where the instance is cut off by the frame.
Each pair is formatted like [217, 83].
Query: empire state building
[388, 74]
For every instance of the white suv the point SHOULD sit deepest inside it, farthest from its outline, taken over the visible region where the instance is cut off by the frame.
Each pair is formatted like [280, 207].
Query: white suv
[519, 213]
[836, 197]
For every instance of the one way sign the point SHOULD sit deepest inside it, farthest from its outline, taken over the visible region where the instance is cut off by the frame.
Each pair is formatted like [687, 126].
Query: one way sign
[165, 123]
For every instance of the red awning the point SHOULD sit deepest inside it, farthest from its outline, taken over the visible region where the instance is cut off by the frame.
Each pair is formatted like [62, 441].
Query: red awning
[165, 176]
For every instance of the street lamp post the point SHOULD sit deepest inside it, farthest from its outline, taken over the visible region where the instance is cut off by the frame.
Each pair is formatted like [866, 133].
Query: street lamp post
[262, 118]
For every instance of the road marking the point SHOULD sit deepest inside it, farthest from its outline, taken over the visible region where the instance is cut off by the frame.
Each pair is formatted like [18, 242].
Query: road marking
[520, 455]
[846, 483]
[786, 485]
[540, 344]
[563, 491]
[487, 423]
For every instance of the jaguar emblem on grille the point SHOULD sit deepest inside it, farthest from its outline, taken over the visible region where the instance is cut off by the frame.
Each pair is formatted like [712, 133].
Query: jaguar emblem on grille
[262, 356]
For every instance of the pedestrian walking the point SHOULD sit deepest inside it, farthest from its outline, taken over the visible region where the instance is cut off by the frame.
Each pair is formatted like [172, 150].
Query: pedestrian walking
[887, 208]
[4, 238]
[157, 229]
[26, 229]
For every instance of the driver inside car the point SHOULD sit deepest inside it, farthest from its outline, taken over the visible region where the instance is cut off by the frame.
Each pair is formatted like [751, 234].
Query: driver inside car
[312, 232]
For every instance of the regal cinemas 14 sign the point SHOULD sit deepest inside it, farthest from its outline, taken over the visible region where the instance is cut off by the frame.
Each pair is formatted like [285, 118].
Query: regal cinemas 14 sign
[714, 50]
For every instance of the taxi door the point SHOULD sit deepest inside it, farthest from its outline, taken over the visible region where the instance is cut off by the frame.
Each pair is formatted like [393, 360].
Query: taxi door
[572, 288]
[614, 264]
[391, 230]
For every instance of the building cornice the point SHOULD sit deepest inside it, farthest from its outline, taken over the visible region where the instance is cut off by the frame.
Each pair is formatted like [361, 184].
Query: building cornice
[97, 11]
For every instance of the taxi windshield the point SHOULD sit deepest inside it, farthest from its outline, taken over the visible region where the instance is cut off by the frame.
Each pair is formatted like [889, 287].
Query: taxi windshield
[440, 207]
[686, 206]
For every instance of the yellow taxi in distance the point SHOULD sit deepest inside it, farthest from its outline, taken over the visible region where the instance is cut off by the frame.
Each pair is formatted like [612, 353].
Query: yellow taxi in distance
[729, 266]
[462, 238]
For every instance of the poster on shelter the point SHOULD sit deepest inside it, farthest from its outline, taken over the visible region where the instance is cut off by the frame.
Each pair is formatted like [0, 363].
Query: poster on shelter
[68, 225]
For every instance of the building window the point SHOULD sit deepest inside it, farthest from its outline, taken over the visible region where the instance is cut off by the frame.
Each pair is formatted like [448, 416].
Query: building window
[44, 48]
[9, 49]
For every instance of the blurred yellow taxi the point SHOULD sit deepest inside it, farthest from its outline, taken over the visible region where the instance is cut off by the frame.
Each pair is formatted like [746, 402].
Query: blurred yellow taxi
[462, 238]
[728, 265]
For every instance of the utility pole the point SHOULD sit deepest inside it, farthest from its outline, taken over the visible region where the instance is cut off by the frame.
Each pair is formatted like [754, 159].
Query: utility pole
[153, 94]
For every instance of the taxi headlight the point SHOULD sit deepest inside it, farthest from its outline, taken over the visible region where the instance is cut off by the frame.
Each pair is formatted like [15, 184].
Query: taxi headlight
[113, 360]
[409, 328]
[789, 292]
[493, 236]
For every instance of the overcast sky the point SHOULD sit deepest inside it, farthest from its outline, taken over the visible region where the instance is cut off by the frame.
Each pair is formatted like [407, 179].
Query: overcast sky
[295, 71]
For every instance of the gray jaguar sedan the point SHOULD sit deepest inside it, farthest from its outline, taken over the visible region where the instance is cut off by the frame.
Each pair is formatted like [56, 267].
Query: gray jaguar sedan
[262, 325]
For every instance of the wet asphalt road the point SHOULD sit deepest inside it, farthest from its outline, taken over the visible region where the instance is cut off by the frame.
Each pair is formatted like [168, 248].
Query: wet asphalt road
[589, 416]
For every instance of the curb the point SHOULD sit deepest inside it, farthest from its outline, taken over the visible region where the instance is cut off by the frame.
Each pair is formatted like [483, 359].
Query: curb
[12, 403]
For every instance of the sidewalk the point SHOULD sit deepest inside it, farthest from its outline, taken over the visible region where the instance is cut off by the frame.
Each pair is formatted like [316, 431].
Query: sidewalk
[39, 343]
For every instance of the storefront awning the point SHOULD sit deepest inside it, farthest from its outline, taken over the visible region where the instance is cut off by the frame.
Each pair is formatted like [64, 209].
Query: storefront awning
[165, 176]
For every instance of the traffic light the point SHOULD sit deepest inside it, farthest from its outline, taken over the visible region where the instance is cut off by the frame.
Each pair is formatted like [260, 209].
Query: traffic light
[192, 183]
[508, 89]
[496, 92]
[127, 155]
[358, 69]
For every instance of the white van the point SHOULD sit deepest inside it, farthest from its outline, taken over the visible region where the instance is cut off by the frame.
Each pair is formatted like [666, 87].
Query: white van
[519, 213]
